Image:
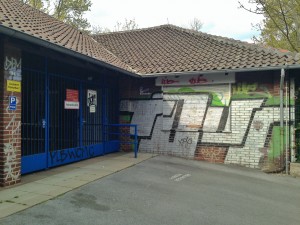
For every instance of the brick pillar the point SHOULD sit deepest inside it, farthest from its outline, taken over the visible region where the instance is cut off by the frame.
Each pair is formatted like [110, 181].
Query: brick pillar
[10, 115]
[126, 93]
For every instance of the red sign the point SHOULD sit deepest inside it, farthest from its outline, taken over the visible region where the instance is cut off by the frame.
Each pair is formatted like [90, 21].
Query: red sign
[198, 80]
[168, 81]
[72, 95]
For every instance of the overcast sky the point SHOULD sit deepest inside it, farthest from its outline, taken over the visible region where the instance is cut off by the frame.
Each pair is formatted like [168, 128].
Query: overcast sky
[220, 17]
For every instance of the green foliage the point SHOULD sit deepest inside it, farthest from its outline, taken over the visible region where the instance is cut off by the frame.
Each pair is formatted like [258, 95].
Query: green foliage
[38, 4]
[281, 25]
[68, 11]
[72, 11]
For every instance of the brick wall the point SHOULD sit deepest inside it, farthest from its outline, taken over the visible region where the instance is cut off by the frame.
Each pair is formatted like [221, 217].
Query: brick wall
[212, 154]
[10, 120]
[221, 123]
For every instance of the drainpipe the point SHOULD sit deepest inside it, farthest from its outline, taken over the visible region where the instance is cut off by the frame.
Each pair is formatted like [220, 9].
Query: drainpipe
[286, 130]
[282, 75]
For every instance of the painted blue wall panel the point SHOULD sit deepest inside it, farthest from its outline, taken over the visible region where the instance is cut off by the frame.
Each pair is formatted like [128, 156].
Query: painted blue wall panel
[33, 163]
[65, 156]
[56, 158]
[112, 146]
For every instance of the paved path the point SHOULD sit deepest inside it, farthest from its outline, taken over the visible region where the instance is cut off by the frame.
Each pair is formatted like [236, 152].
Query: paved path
[166, 190]
[40, 187]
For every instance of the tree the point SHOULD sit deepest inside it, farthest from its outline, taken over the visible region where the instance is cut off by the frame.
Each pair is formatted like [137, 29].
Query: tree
[38, 4]
[120, 26]
[72, 11]
[99, 30]
[126, 25]
[196, 24]
[68, 11]
[280, 27]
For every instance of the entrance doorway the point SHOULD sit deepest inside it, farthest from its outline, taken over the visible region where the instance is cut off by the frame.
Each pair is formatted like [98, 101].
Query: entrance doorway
[64, 116]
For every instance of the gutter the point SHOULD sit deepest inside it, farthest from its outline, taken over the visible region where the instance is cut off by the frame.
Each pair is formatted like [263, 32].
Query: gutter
[29, 38]
[220, 71]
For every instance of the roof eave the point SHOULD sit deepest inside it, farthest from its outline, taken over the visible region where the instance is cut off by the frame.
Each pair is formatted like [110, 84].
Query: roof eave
[29, 38]
[238, 70]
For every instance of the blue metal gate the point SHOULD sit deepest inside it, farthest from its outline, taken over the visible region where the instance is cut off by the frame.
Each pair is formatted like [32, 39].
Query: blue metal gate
[57, 130]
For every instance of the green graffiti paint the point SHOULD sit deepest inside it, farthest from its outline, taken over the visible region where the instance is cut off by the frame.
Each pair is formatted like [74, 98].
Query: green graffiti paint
[181, 90]
[276, 148]
[216, 101]
[244, 88]
[125, 118]
[250, 91]
[275, 101]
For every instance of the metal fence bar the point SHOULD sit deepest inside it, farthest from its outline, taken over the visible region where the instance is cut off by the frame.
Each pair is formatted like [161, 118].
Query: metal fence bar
[135, 141]
[135, 138]
[46, 118]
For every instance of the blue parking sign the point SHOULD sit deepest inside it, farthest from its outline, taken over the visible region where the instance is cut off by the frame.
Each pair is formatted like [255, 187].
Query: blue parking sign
[12, 102]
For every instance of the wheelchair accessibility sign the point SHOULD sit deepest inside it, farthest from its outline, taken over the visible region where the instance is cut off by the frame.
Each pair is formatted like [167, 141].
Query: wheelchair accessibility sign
[12, 103]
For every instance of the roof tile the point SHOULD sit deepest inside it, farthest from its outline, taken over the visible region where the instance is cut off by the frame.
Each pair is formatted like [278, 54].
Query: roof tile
[23, 18]
[162, 49]
[189, 50]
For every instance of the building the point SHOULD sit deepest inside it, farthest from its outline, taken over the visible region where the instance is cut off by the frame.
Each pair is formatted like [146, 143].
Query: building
[191, 94]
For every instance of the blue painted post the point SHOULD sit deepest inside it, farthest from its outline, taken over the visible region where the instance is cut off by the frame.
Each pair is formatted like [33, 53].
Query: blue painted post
[47, 120]
[81, 115]
[103, 119]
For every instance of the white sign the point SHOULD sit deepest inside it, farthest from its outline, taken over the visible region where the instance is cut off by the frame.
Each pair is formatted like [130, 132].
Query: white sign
[71, 105]
[91, 98]
[198, 79]
[92, 109]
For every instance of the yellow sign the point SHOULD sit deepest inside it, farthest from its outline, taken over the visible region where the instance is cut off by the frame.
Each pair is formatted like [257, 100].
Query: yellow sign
[13, 85]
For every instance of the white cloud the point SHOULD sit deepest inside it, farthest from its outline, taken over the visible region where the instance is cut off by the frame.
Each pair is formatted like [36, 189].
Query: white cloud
[220, 17]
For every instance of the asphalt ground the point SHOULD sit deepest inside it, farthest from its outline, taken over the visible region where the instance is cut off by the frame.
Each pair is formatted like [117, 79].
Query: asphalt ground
[170, 191]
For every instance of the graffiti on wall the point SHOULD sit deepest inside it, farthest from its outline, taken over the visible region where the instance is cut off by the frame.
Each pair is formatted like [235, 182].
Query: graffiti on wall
[186, 123]
[12, 71]
[10, 150]
[74, 154]
[219, 94]
[13, 67]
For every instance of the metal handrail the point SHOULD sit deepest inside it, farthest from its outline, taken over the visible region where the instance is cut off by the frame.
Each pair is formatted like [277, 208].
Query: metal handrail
[135, 142]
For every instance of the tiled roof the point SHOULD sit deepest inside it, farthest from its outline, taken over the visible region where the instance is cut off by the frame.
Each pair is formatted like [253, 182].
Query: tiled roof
[162, 49]
[169, 49]
[21, 17]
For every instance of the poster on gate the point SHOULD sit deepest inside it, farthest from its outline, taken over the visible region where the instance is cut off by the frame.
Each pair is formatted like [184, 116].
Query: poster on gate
[92, 100]
[71, 101]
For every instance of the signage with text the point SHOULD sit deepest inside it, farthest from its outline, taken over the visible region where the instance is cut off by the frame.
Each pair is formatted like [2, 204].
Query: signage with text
[12, 103]
[13, 85]
[71, 101]
[199, 79]
[71, 105]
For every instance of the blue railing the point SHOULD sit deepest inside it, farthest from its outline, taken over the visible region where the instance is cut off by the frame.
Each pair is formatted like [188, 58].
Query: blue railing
[111, 134]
